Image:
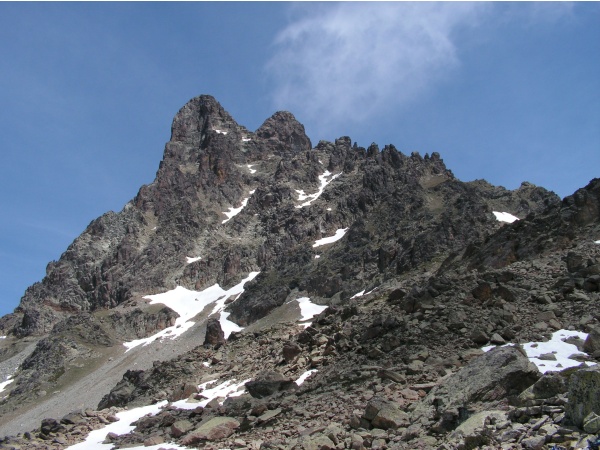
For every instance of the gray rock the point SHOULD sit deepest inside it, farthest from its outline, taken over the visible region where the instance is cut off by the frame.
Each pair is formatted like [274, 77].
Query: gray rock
[591, 423]
[592, 342]
[583, 395]
[181, 427]
[385, 415]
[214, 429]
[494, 376]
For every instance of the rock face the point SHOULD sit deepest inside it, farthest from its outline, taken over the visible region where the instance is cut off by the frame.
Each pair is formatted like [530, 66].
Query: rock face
[423, 276]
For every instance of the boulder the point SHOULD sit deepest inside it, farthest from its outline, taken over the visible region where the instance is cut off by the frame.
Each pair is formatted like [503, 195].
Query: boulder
[591, 423]
[290, 351]
[583, 395]
[385, 415]
[181, 427]
[51, 426]
[494, 376]
[183, 391]
[592, 342]
[215, 337]
[213, 430]
[268, 383]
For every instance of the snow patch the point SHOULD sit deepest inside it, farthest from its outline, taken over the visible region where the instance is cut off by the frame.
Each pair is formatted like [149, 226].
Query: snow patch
[317, 256]
[224, 390]
[557, 346]
[2, 337]
[3, 385]
[235, 211]
[309, 309]
[191, 260]
[94, 440]
[595, 242]
[126, 418]
[123, 426]
[361, 293]
[324, 182]
[304, 376]
[249, 166]
[504, 217]
[188, 304]
[330, 239]
[220, 131]
[246, 139]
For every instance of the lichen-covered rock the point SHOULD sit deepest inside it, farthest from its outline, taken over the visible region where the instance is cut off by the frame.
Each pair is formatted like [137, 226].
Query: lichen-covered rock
[583, 395]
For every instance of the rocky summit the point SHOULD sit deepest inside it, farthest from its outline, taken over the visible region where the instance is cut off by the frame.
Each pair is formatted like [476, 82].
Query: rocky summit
[265, 293]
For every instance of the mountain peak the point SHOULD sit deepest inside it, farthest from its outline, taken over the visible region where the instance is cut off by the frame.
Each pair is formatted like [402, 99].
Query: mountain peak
[199, 115]
[283, 127]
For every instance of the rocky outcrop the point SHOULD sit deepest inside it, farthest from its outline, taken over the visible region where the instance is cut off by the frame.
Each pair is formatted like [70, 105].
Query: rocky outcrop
[489, 379]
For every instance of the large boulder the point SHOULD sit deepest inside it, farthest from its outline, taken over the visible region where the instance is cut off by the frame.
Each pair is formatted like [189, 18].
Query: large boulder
[214, 429]
[268, 383]
[584, 395]
[385, 415]
[592, 342]
[503, 372]
[215, 337]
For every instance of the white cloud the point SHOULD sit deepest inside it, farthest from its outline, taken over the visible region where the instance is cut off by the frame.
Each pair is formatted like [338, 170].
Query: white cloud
[346, 61]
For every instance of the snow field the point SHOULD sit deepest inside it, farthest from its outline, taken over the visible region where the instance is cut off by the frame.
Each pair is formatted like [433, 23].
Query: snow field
[556, 346]
[250, 166]
[312, 197]
[504, 217]
[188, 304]
[340, 232]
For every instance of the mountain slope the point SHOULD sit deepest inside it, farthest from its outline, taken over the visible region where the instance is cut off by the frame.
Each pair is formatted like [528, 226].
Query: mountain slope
[227, 202]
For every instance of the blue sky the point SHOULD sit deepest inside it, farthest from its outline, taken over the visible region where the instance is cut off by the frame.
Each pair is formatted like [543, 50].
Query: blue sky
[509, 92]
